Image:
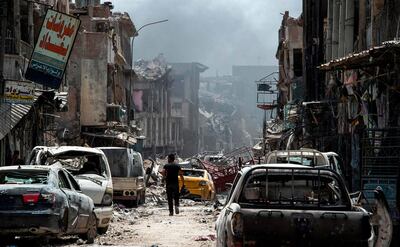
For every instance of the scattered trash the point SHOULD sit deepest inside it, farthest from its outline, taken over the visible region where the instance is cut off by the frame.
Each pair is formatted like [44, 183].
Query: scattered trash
[209, 237]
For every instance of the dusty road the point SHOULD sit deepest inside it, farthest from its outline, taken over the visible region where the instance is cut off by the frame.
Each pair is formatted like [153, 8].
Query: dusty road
[152, 226]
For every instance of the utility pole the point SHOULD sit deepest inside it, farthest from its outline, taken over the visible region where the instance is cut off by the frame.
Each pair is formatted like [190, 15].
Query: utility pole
[17, 27]
[3, 16]
[30, 24]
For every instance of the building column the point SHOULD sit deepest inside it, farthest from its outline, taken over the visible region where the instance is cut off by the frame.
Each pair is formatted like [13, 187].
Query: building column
[17, 27]
[349, 27]
[335, 28]
[329, 29]
[342, 19]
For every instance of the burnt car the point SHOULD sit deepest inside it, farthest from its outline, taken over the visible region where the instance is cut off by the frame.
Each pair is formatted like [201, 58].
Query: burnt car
[42, 201]
[293, 205]
[90, 168]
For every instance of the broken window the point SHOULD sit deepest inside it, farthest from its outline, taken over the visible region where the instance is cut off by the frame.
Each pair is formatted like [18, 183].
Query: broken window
[24, 177]
[297, 62]
[291, 190]
[193, 173]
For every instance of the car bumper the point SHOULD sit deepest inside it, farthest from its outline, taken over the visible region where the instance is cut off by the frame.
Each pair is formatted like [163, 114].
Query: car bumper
[103, 215]
[29, 223]
[202, 193]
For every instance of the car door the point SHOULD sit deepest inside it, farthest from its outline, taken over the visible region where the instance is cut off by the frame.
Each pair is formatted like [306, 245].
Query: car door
[222, 219]
[83, 203]
[73, 203]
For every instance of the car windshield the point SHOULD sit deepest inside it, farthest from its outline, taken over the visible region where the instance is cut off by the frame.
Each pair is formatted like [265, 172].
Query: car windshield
[193, 173]
[297, 157]
[24, 177]
[292, 190]
[121, 165]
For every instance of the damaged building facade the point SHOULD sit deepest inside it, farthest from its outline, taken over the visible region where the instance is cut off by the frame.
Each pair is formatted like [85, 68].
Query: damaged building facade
[185, 102]
[159, 122]
[29, 123]
[98, 78]
[349, 102]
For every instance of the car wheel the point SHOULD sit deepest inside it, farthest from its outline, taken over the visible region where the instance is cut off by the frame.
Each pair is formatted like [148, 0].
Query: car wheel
[143, 197]
[91, 233]
[102, 230]
[64, 222]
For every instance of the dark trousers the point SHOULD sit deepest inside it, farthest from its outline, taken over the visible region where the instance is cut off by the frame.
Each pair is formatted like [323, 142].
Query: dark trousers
[172, 194]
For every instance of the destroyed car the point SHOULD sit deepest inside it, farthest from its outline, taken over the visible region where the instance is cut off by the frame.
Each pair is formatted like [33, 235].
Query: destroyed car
[199, 183]
[90, 168]
[128, 174]
[307, 157]
[43, 200]
[292, 205]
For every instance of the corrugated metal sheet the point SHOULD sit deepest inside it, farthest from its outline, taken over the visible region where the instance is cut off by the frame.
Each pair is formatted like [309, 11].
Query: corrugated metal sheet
[353, 60]
[10, 115]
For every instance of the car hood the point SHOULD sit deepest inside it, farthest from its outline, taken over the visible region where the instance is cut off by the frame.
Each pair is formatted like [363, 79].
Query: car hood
[93, 186]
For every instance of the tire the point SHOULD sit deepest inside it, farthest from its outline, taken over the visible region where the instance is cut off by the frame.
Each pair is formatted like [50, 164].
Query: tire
[102, 230]
[64, 222]
[144, 197]
[91, 233]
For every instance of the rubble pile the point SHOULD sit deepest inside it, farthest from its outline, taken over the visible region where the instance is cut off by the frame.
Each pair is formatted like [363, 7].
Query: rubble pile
[156, 195]
[152, 70]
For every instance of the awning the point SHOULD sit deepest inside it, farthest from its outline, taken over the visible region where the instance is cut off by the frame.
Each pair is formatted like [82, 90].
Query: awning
[372, 57]
[10, 115]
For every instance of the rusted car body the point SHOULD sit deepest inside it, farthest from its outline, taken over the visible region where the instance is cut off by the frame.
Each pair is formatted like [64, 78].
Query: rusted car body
[292, 205]
[43, 200]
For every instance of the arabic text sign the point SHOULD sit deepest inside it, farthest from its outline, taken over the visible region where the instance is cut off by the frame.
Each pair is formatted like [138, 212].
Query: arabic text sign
[19, 92]
[52, 49]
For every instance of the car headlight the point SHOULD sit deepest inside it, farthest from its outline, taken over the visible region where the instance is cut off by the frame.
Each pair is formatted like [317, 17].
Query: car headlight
[108, 197]
[202, 183]
[237, 224]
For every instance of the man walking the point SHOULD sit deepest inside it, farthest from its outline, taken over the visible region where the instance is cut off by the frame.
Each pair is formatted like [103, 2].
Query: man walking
[171, 172]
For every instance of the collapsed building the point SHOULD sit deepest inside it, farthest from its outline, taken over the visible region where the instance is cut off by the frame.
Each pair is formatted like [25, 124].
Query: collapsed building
[222, 125]
[161, 124]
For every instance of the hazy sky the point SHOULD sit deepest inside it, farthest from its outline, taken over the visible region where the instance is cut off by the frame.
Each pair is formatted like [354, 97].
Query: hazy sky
[216, 33]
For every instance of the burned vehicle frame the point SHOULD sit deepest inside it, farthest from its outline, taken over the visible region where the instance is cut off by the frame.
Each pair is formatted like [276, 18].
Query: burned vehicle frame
[292, 205]
[42, 201]
[90, 168]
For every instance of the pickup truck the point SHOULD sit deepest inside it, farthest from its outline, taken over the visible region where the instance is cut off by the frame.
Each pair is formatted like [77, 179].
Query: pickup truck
[294, 205]
[307, 157]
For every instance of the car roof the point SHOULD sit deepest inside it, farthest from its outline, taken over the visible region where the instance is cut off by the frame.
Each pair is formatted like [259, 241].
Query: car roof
[288, 166]
[113, 148]
[193, 169]
[26, 167]
[62, 149]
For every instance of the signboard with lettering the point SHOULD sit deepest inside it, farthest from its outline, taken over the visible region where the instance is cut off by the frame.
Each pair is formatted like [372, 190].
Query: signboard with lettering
[52, 49]
[19, 92]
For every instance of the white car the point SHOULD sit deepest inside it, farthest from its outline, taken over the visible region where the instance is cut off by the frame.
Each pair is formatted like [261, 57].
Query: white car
[90, 168]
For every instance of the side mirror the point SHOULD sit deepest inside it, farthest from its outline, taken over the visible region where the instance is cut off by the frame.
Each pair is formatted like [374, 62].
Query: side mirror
[228, 186]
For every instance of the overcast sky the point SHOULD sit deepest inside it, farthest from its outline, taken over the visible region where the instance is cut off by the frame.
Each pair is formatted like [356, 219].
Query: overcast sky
[216, 33]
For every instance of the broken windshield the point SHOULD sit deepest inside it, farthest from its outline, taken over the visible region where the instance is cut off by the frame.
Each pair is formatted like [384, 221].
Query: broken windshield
[193, 173]
[80, 163]
[24, 177]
